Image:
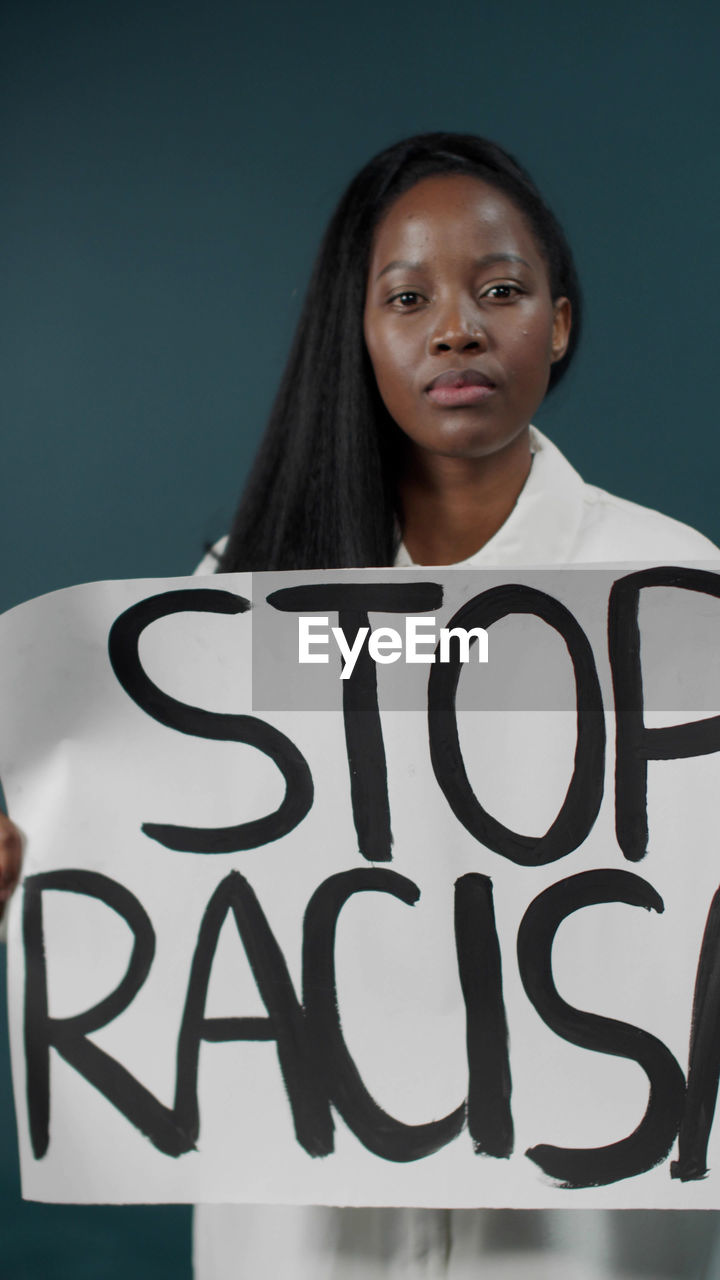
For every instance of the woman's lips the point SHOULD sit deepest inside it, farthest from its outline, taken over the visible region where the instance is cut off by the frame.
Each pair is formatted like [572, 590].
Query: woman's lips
[460, 388]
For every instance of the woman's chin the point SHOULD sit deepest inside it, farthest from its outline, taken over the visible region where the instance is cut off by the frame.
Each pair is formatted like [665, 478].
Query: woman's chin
[469, 442]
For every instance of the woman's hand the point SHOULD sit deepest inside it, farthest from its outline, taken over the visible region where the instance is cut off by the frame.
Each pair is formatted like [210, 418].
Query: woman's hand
[10, 859]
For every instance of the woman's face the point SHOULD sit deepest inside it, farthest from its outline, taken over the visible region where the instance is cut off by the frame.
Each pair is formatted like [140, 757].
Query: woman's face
[459, 320]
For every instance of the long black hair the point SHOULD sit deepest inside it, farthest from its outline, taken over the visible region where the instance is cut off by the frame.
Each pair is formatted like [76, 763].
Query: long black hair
[322, 491]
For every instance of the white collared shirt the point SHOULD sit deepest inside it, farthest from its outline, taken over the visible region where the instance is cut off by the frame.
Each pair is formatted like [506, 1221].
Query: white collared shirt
[558, 519]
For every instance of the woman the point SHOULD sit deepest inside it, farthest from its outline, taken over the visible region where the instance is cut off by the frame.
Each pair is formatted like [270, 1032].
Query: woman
[443, 304]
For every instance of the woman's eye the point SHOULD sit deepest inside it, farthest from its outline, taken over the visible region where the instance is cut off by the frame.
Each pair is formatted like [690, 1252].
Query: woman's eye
[408, 298]
[502, 292]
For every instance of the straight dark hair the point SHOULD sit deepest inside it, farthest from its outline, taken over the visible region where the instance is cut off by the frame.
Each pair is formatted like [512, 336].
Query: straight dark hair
[322, 491]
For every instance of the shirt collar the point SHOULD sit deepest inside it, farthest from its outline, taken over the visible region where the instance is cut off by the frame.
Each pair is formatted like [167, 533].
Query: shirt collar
[544, 523]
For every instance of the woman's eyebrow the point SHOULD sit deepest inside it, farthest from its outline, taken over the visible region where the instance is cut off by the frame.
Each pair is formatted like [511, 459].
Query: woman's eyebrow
[401, 263]
[487, 260]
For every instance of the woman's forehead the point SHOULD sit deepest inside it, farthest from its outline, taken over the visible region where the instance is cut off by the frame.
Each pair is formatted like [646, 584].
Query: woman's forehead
[452, 212]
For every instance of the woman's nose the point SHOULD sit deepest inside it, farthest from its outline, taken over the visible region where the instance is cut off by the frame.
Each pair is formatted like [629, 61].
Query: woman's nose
[458, 330]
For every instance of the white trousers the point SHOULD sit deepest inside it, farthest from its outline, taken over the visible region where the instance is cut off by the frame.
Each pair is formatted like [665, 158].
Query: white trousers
[268, 1242]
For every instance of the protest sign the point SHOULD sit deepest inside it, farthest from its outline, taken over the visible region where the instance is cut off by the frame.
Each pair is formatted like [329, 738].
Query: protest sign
[368, 887]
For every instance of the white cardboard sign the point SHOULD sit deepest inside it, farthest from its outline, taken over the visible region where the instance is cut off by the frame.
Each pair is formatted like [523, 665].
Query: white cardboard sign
[437, 934]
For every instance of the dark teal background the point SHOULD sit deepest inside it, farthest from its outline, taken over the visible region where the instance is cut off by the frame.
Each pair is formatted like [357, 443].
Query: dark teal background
[169, 167]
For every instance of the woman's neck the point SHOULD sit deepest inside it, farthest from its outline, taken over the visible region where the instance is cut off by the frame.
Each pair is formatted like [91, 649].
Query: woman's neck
[450, 507]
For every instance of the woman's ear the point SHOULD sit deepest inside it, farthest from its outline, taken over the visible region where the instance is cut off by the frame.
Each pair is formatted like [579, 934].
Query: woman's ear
[562, 323]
